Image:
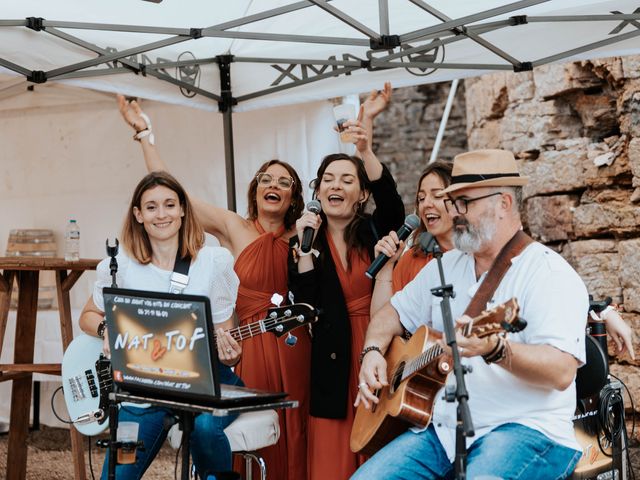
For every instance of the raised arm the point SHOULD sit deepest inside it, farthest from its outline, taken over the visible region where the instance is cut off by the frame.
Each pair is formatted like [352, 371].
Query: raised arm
[376, 102]
[217, 221]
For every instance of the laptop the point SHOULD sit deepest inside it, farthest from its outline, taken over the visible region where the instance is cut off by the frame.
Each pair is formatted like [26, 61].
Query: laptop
[163, 346]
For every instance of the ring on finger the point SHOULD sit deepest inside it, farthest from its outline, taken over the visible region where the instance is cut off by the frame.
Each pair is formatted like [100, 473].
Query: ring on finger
[229, 349]
[363, 384]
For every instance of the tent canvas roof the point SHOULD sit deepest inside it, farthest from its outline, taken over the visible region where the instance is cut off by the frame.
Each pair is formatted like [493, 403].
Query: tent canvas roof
[285, 52]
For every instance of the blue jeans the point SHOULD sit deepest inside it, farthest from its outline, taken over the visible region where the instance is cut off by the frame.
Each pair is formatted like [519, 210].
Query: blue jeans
[510, 451]
[210, 449]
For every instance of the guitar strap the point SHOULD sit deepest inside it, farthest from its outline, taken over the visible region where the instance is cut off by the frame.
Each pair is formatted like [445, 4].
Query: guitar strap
[499, 267]
[180, 275]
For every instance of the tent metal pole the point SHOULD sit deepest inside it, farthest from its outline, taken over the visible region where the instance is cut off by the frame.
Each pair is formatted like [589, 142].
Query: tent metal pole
[476, 38]
[149, 70]
[458, 22]
[261, 16]
[229, 160]
[279, 37]
[340, 15]
[383, 9]
[14, 67]
[226, 108]
[116, 56]
[443, 121]
[584, 18]
[585, 48]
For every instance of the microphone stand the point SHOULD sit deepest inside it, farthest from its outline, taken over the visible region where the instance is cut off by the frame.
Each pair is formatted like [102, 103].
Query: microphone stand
[113, 443]
[464, 424]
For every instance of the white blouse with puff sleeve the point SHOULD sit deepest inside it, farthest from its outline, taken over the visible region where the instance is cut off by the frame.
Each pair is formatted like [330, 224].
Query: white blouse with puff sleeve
[211, 275]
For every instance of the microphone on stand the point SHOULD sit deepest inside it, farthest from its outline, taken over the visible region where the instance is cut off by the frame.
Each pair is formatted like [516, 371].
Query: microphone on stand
[428, 243]
[113, 265]
[411, 222]
[307, 235]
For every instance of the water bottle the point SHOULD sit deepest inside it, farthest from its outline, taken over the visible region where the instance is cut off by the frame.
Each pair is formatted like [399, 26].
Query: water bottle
[72, 242]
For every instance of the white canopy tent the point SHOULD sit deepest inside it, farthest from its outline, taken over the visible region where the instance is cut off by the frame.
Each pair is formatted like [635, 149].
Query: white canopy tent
[249, 54]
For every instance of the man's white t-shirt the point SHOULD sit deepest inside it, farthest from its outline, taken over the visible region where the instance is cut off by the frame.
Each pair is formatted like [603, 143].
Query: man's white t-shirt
[554, 302]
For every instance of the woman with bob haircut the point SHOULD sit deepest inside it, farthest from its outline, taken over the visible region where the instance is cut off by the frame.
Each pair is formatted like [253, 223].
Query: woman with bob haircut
[332, 277]
[159, 228]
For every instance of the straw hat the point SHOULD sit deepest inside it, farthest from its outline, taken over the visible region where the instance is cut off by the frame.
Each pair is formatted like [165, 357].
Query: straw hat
[485, 168]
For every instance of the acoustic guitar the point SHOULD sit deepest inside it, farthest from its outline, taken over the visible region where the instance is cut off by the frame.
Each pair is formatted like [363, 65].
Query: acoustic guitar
[417, 369]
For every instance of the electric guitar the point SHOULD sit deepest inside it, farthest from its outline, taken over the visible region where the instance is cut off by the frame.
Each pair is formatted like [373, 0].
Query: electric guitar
[417, 369]
[86, 371]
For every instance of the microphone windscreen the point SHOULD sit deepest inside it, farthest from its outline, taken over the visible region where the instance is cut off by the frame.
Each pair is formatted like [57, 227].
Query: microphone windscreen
[412, 221]
[314, 207]
[426, 241]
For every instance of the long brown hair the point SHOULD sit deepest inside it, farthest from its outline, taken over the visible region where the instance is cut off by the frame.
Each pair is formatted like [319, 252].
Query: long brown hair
[443, 170]
[351, 237]
[297, 200]
[135, 239]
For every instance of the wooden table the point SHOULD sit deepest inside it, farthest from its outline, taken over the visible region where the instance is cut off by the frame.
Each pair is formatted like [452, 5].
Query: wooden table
[26, 270]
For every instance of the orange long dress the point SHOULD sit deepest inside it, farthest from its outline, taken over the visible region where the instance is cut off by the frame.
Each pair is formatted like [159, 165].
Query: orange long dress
[267, 362]
[329, 454]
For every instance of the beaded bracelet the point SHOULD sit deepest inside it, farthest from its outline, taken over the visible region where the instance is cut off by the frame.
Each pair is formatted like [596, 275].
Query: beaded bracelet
[368, 349]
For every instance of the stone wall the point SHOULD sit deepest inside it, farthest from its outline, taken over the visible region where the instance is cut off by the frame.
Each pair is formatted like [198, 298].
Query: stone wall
[405, 133]
[575, 129]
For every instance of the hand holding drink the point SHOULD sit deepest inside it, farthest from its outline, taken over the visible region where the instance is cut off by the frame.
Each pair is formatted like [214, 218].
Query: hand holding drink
[343, 113]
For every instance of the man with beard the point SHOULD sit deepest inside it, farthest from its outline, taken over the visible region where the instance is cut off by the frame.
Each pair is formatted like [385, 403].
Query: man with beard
[521, 387]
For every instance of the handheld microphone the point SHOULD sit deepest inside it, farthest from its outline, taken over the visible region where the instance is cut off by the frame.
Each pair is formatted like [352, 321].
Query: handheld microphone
[411, 222]
[428, 243]
[307, 235]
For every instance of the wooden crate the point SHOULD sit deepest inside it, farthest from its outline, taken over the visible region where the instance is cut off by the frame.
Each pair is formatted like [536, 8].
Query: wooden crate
[35, 243]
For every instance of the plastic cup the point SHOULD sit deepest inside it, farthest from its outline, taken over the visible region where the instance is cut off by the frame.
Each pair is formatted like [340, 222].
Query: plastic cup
[127, 433]
[342, 113]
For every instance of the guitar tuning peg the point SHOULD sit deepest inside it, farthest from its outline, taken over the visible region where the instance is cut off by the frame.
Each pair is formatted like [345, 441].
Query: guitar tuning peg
[277, 299]
[291, 340]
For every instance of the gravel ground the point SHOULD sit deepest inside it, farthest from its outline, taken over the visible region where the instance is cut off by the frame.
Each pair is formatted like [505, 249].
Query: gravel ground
[49, 457]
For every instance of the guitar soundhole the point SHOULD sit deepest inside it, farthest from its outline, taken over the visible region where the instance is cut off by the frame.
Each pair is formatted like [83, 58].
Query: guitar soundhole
[396, 380]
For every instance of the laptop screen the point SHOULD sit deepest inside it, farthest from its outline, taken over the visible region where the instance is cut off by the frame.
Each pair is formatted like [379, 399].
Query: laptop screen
[162, 343]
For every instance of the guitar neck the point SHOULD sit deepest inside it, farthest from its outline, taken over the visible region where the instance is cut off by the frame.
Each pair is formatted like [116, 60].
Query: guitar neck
[254, 329]
[421, 360]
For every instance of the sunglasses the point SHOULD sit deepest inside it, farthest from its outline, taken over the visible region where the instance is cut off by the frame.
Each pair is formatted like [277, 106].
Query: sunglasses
[266, 179]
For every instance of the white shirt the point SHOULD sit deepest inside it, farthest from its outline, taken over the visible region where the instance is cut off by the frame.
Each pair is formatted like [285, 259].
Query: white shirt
[211, 275]
[554, 302]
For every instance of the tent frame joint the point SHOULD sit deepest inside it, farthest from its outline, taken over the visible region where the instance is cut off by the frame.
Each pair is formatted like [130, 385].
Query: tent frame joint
[227, 101]
[518, 20]
[523, 67]
[37, 76]
[385, 42]
[195, 33]
[35, 23]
